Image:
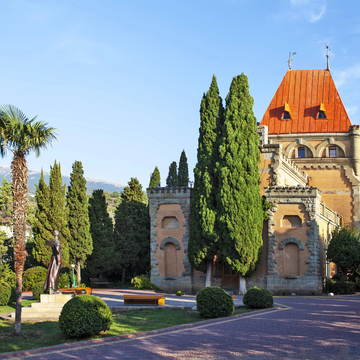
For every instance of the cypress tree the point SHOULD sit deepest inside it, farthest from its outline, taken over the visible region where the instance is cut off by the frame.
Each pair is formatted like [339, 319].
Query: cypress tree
[133, 191]
[203, 243]
[58, 215]
[80, 244]
[240, 211]
[171, 180]
[41, 228]
[101, 228]
[6, 203]
[155, 178]
[132, 231]
[183, 172]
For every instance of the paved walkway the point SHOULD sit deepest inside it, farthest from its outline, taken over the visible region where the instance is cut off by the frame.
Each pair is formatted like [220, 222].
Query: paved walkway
[303, 328]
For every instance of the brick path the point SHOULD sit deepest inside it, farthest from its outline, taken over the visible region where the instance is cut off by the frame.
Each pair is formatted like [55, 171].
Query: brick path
[304, 328]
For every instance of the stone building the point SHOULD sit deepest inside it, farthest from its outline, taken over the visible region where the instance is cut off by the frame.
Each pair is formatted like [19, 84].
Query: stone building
[310, 171]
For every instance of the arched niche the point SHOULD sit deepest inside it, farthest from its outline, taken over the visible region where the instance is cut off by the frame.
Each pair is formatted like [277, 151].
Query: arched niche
[171, 240]
[169, 222]
[291, 239]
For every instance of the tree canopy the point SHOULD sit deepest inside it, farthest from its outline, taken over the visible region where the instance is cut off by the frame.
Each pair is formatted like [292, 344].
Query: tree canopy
[344, 249]
[155, 178]
[183, 172]
[80, 244]
[171, 180]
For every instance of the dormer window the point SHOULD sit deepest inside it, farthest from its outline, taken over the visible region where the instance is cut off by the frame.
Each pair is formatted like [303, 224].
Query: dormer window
[286, 114]
[321, 114]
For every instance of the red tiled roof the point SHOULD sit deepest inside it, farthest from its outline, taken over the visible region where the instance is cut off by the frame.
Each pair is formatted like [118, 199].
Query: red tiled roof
[304, 91]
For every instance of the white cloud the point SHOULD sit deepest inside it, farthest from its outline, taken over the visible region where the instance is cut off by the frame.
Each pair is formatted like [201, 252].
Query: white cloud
[314, 17]
[343, 76]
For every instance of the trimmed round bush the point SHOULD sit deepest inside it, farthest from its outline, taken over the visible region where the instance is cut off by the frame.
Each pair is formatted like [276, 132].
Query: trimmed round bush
[178, 293]
[258, 298]
[37, 290]
[341, 288]
[32, 276]
[85, 315]
[214, 302]
[283, 293]
[5, 292]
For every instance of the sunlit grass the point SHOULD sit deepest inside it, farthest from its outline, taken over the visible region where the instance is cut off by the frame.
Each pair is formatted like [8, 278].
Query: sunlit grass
[37, 335]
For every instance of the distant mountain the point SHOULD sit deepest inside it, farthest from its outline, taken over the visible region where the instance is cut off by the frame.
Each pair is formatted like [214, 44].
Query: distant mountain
[91, 183]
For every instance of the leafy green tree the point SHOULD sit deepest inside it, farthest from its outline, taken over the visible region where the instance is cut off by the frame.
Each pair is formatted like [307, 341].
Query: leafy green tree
[183, 172]
[344, 249]
[132, 231]
[6, 203]
[133, 191]
[41, 228]
[155, 178]
[203, 243]
[80, 244]
[21, 136]
[239, 204]
[101, 228]
[58, 215]
[171, 180]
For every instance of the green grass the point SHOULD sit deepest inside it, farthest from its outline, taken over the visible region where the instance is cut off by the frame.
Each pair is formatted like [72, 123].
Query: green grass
[11, 308]
[38, 335]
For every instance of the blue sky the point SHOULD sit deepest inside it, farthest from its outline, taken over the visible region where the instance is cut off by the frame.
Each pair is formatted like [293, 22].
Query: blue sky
[122, 81]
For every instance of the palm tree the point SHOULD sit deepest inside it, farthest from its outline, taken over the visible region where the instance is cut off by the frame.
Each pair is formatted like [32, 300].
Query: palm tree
[21, 136]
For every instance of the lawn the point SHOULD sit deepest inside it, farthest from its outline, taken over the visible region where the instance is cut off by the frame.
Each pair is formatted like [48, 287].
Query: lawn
[37, 335]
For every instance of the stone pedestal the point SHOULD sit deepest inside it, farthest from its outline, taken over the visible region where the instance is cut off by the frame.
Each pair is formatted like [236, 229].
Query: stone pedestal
[49, 308]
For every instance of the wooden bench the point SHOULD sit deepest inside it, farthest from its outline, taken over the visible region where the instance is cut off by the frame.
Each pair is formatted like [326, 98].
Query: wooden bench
[144, 299]
[76, 291]
[99, 281]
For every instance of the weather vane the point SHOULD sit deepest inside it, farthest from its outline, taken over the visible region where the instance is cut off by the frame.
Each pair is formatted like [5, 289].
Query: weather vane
[328, 48]
[290, 59]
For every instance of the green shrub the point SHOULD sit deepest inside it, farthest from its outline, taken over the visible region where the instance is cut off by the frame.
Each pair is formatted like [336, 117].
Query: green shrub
[313, 293]
[341, 288]
[258, 298]
[85, 315]
[32, 276]
[142, 282]
[283, 293]
[5, 292]
[37, 290]
[178, 293]
[337, 276]
[64, 280]
[7, 276]
[214, 302]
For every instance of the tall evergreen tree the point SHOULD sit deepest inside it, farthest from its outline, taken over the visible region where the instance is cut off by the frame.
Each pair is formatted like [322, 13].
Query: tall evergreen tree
[203, 243]
[183, 172]
[155, 178]
[41, 228]
[6, 203]
[133, 191]
[171, 180]
[101, 228]
[57, 216]
[80, 244]
[240, 212]
[132, 231]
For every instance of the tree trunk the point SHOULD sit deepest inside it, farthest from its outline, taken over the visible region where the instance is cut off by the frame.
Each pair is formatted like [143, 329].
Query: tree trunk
[242, 285]
[78, 273]
[208, 274]
[123, 275]
[19, 188]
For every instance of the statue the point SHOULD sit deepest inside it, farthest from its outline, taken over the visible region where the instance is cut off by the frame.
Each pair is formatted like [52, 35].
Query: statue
[53, 273]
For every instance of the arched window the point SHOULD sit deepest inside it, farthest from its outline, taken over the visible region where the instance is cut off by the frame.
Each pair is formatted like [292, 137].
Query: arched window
[170, 260]
[291, 221]
[332, 151]
[301, 152]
